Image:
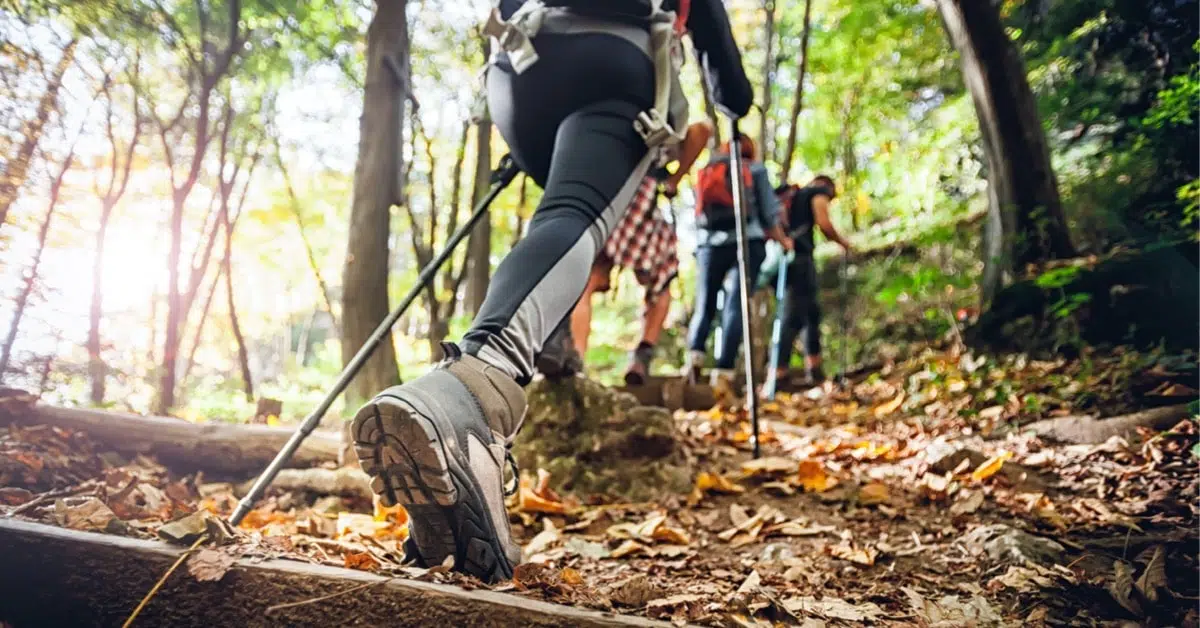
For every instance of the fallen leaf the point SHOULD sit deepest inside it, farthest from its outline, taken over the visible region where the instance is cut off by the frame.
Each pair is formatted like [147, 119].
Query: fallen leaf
[349, 523]
[673, 601]
[543, 540]
[1155, 575]
[770, 466]
[586, 548]
[1023, 579]
[362, 561]
[529, 501]
[92, 515]
[873, 493]
[738, 514]
[668, 534]
[885, 409]
[811, 476]
[751, 583]
[865, 555]
[543, 489]
[629, 548]
[834, 608]
[1121, 588]
[935, 487]
[210, 565]
[635, 591]
[990, 466]
[783, 488]
[185, 530]
[968, 505]
[950, 610]
[570, 576]
[14, 495]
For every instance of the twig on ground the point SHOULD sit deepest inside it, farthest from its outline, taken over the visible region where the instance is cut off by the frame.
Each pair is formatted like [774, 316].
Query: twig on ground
[47, 496]
[158, 585]
[322, 598]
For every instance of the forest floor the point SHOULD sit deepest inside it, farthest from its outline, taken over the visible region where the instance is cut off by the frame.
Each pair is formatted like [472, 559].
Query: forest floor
[919, 495]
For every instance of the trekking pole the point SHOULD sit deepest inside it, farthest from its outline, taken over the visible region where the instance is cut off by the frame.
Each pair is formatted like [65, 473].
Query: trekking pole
[503, 175]
[739, 210]
[845, 318]
[777, 328]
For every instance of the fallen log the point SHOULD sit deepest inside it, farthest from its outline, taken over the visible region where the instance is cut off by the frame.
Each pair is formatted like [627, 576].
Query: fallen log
[344, 482]
[56, 577]
[215, 448]
[1092, 430]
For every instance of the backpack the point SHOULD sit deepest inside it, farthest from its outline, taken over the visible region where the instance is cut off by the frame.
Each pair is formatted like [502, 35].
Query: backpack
[714, 194]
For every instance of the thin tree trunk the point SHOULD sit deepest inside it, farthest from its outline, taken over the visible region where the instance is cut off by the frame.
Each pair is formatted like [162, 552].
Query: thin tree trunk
[22, 299]
[710, 110]
[1023, 191]
[208, 300]
[227, 263]
[118, 182]
[765, 135]
[308, 249]
[456, 187]
[376, 188]
[789, 149]
[177, 305]
[17, 168]
[479, 248]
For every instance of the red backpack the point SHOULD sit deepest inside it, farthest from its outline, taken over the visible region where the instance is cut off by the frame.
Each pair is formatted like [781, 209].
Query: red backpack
[714, 194]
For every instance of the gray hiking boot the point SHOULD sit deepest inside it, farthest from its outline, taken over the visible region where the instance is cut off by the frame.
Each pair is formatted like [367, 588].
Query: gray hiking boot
[438, 446]
[559, 359]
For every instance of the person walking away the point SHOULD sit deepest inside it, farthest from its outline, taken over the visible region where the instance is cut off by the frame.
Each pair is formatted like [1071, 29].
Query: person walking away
[574, 92]
[716, 253]
[805, 207]
[645, 243]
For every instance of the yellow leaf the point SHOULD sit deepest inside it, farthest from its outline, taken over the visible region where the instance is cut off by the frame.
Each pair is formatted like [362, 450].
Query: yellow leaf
[570, 576]
[716, 483]
[873, 493]
[629, 548]
[674, 536]
[273, 420]
[867, 450]
[394, 514]
[990, 467]
[531, 502]
[811, 476]
[859, 555]
[885, 409]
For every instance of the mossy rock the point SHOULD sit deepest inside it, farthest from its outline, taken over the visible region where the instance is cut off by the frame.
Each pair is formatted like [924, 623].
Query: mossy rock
[596, 440]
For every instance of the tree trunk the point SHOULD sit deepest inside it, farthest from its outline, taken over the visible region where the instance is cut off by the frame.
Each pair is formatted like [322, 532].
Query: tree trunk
[376, 188]
[177, 302]
[789, 149]
[17, 167]
[1026, 197]
[181, 445]
[22, 300]
[765, 135]
[198, 334]
[522, 208]
[227, 266]
[710, 110]
[479, 247]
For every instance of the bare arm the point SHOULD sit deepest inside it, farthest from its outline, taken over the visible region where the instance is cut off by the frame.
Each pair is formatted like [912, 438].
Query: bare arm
[689, 151]
[820, 205]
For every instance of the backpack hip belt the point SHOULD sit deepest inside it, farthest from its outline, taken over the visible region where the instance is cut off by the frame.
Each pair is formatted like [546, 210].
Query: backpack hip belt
[664, 47]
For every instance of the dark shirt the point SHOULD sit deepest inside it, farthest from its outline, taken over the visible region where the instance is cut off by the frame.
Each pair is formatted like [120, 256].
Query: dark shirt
[800, 217]
[712, 35]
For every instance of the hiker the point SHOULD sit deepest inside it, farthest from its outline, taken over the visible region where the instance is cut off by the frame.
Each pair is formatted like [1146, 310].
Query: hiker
[805, 207]
[716, 253]
[574, 91]
[645, 243]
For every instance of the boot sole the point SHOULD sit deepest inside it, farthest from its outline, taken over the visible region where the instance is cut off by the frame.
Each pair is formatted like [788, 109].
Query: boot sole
[409, 465]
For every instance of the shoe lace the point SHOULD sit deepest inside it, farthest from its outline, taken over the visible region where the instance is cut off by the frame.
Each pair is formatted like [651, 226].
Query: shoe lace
[511, 461]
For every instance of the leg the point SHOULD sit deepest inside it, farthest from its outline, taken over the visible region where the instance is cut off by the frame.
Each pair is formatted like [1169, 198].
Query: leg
[438, 444]
[581, 317]
[731, 316]
[653, 317]
[811, 332]
[711, 265]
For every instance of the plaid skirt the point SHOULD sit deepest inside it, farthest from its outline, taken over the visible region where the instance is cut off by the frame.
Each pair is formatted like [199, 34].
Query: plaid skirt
[645, 243]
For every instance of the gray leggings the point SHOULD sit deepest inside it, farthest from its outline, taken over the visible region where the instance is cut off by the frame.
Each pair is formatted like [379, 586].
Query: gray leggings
[568, 121]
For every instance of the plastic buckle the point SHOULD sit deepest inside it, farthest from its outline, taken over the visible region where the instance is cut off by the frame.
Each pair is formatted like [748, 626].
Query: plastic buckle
[652, 127]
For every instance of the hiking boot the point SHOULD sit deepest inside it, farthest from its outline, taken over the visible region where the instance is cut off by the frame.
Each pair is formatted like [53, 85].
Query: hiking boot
[438, 446]
[814, 376]
[559, 359]
[639, 366]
